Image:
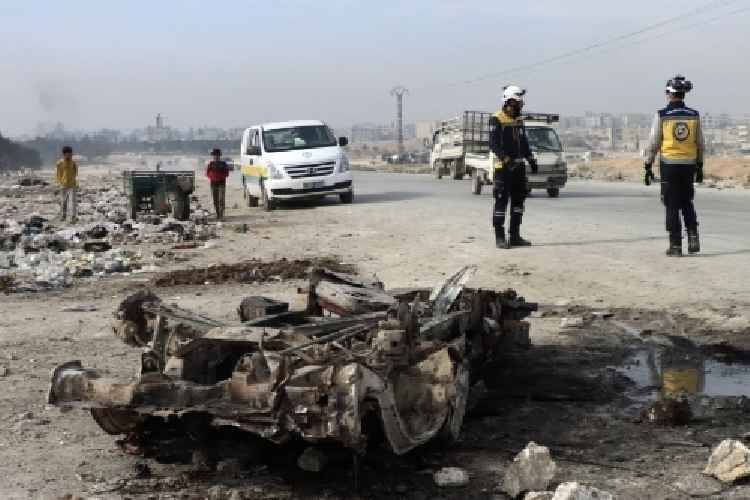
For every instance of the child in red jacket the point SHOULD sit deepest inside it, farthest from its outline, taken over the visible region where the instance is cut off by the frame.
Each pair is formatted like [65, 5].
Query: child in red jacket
[217, 172]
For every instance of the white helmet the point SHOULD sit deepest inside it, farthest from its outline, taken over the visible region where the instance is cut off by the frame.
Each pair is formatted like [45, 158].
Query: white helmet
[513, 92]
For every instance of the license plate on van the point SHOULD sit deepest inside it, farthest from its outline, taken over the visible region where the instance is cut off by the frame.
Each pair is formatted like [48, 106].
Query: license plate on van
[313, 185]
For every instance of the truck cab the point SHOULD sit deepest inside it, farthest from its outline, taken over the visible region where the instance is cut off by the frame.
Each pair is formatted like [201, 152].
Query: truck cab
[293, 160]
[549, 154]
[447, 153]
[543, 142]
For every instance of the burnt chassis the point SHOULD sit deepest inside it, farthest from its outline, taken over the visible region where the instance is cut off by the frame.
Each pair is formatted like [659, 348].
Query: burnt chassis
[409, 357]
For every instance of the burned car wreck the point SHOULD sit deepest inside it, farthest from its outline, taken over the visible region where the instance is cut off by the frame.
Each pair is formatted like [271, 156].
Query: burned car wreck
[348, 350]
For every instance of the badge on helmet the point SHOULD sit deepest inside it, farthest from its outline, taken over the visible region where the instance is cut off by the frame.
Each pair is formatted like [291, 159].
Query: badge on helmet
[513, 92]
[679, 84]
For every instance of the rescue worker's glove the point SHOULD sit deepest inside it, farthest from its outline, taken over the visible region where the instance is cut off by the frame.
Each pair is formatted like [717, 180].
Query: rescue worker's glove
[533, 164]
[699, 173]
[648, 175]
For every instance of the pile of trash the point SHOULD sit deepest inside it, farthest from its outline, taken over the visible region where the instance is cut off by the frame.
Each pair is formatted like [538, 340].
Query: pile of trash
[37, 252]
[349, 354]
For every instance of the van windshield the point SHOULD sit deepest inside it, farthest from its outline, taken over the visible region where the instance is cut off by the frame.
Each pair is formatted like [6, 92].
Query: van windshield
[302, 137]
[543, 139]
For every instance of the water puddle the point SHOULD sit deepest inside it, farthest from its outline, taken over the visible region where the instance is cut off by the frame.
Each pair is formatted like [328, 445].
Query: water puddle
[666, 373]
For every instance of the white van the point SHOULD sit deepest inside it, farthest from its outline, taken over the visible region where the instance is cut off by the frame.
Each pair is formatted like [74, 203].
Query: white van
[293, 160]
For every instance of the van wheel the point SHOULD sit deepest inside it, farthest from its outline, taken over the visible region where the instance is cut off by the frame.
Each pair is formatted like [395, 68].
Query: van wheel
[347, 197]
[268, 204]
[553, 192]
[476, 183]
[438, 168]
[251, 201]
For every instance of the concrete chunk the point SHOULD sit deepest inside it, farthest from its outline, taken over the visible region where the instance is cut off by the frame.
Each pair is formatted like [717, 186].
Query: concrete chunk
[531, 470]
[576, 491]
[451, 476]
[729, 461]
[539, 495]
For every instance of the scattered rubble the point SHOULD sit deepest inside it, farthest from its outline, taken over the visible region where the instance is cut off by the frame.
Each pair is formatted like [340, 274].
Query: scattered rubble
[729, 462]
[576, 491]
[531, 470]
[571, 323]
[247, 272]
[539, 495]
[37, 251]
[312, 460]
[451, 476]
[405, 357]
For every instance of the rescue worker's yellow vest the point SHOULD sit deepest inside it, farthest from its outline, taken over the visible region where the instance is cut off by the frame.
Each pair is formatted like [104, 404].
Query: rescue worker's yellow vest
[507, 123]
[679, 134]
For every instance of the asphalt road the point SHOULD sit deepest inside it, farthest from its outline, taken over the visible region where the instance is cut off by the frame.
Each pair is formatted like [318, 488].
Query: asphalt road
[595, 235]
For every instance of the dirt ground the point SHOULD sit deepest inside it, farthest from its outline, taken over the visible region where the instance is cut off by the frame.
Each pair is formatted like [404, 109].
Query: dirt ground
[571, 392]
[735, 170]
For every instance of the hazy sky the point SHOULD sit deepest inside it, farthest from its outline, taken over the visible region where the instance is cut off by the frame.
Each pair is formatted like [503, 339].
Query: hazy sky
[99, 63]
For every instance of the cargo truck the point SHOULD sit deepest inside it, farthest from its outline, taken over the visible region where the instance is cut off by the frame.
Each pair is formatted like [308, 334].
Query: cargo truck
[462, 147]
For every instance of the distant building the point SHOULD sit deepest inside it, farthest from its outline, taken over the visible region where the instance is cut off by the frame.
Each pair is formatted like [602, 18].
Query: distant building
[636, 120]
[626, 138]
[594, 121]
[424, 130]
[371, 132]
[709, 120]
[159, 132]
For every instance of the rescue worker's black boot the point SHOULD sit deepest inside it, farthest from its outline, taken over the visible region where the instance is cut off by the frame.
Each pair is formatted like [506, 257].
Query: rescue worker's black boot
[694, 244]
[500, 241]
[517, 241]
[675, 246]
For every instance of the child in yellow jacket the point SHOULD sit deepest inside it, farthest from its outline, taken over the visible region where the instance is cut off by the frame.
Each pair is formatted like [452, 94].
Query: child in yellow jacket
[66, 173]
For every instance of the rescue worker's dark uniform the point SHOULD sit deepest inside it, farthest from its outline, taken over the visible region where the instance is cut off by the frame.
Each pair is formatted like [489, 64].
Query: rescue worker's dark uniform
[677, 136]
[510, 146]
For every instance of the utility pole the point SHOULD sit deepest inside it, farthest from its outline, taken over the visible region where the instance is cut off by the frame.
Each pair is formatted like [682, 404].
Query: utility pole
[399, 93]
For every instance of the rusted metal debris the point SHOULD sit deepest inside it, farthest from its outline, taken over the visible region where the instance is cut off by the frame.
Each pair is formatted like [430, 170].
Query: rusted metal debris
[407, 357]
[247, 272]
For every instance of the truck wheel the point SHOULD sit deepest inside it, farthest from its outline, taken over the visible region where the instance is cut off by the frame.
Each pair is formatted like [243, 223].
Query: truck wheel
[132, 207]
[347, 197]
[268, 204]
[553, 192]
[456, 173]
[476, 184]
[438, 168]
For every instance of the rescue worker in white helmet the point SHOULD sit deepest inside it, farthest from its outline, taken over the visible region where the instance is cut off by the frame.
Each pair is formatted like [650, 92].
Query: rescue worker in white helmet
[510, 147]
[677, 136]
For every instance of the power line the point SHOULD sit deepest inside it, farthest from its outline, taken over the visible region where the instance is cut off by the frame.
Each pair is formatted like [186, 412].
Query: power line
[378, 104]
[480, 82]
[686, 15]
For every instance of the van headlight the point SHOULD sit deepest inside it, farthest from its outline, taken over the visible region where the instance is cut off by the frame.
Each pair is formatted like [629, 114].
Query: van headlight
[274, 172]
[344, 164]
